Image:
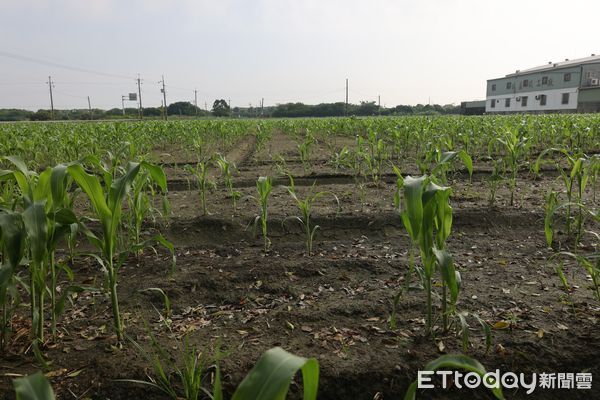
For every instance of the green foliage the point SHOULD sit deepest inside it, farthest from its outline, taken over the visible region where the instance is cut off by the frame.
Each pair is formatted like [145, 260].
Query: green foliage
[575, 181]
[189, 372]
[444, 160]
[398, 190]
[12, 242]
[374, 153]
[304, 149]
[204, 182]
[271, 376]
[550, 208]
[516, 146]
[33, 387]
[107, 202]
[184, 108]
[164, 296]
[46, 217]
[305, 207]
[427, 217]
[591, 266]
[141, 202]
[341, 159]
[494, 181]
[221, 108]
[458, 361]
[264, 188]
[227, 169]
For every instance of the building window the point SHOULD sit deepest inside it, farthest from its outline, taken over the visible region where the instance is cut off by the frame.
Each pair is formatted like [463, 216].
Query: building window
[493, 87]
[508, 85]
[493, 103]
[525, 83]
[507, 102]
[523, 101]
[567, 77]
[565, 98]
[544, 80]
[542, 100]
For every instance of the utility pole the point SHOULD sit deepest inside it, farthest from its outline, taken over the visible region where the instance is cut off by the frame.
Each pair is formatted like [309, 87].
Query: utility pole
[50, 85]
[262, 106]
[90, 107]
[196, 101]
[379, 103]
[164, 92]
[123, 104]
[346, 107]
[140, 96]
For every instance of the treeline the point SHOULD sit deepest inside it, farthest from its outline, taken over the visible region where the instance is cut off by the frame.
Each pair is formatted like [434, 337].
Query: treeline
[179, 108]
[362, 109]
[295, 110]
[221, 109]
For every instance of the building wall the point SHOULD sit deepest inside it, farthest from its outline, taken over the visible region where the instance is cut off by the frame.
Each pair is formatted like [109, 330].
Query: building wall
[589, 100]
[591, 72]
[555, 79]
[553, 101]
[592, 94]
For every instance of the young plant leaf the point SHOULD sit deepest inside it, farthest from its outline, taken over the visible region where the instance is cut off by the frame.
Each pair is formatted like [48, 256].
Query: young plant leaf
[33, 387]
[271, 376]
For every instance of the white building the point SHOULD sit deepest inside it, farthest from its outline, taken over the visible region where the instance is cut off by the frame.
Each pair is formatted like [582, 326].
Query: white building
[567, 86]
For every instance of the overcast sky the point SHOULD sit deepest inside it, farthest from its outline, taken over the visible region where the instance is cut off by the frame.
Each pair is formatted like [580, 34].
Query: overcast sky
[408, 52]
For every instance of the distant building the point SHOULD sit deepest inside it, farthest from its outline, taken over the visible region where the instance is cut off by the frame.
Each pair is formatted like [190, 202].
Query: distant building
[566, 86]
[476, 107]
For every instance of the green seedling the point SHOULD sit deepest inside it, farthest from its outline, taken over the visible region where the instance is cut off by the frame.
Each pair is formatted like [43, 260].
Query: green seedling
[227, 168]
[427, 217]
[205, 184]
[516, 147]
[264, 188]
[575, 182]
[305, 207]
[107, 202]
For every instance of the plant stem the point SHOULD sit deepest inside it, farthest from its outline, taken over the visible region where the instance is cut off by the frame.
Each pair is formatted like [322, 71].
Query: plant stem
[53, 294]
[411, 266]
[444, 307]
[428, 327]
[112, 281]
[40, 321]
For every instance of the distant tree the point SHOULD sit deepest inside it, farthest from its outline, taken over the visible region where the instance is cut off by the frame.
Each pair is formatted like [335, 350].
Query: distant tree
[366, 108]
[15, 115]
[221, 108]
[152, 112]
[183, 108]
[452, 109]
[114, 112]
[291, 110]
[40, 115]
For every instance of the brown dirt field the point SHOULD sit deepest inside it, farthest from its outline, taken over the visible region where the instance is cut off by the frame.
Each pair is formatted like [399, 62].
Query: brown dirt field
[333, 305]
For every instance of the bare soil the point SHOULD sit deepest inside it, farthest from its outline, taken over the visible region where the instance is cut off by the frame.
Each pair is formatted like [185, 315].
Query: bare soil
[333, 305]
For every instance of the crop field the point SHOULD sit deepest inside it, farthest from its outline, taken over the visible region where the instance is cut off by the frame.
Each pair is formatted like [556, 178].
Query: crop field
[156, 259]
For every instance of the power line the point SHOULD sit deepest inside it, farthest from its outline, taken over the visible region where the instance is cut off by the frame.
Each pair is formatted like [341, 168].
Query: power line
[57, 65]
[67, 94]
[18, 83]
[366, 96]
[93, 83]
